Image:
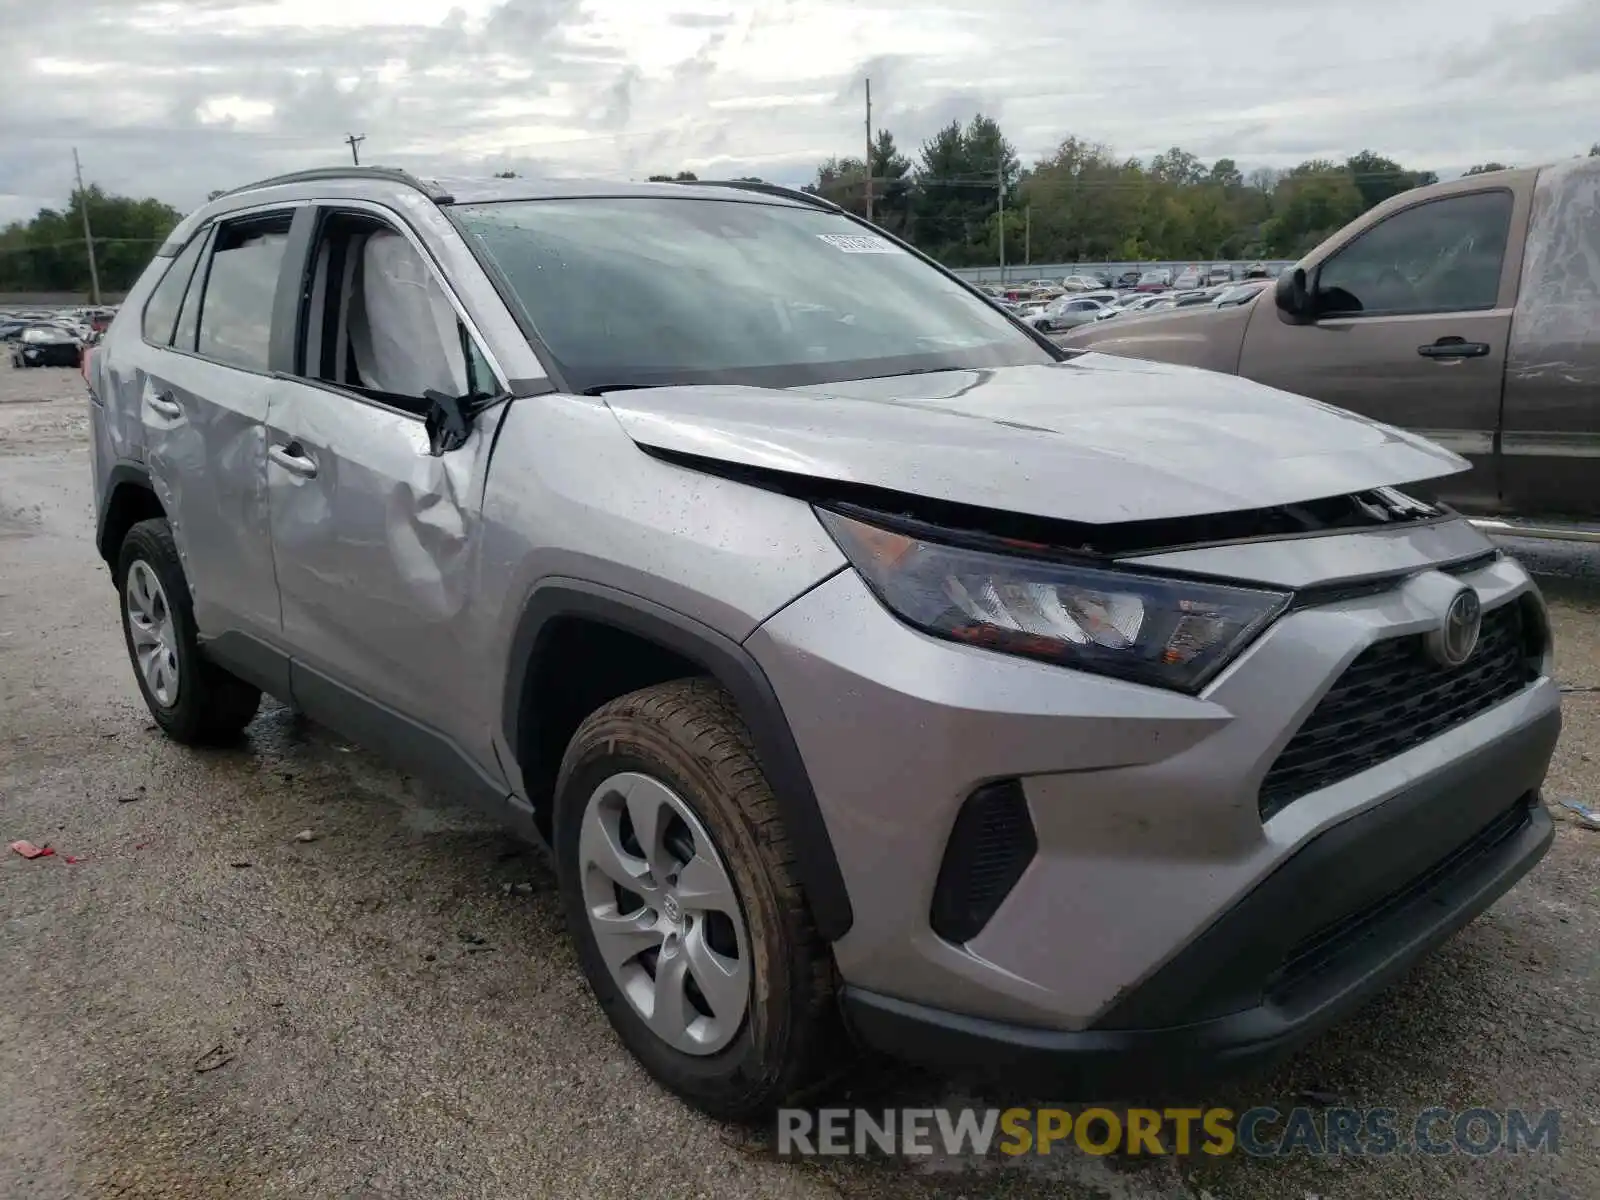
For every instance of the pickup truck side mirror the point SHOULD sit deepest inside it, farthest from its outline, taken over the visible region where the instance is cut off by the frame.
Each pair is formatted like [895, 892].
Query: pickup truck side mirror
[1293, 296]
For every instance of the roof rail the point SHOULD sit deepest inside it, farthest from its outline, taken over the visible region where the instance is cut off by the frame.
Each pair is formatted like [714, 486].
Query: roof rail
[767, 189]
[387, 174]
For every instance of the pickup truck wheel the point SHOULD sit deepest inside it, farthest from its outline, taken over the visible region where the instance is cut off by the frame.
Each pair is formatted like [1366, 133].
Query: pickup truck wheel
[191, 698]
[680, 888]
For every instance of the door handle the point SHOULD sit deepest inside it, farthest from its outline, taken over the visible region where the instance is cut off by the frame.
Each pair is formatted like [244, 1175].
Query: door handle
[163, 403]
[1454, 347]
[294, 459]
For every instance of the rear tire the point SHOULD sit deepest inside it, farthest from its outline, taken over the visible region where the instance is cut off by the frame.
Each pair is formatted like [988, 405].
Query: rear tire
[700, 777]
[191, 698]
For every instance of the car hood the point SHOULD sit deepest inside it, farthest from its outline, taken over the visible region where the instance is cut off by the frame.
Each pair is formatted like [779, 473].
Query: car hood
[1094, 439]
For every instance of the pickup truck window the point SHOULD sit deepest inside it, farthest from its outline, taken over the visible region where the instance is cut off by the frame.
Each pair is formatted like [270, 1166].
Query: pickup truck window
[1441, 256]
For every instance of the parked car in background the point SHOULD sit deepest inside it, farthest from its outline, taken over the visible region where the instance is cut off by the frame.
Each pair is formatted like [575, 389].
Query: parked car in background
[1189, 278]
[1066, 313]
[1082, 283]
[1128, 279]
[675, 567]
[1131, 303]
[1464, 311]
[43, 345]
[1218, 274]
[1154, 281]
[1240, 293]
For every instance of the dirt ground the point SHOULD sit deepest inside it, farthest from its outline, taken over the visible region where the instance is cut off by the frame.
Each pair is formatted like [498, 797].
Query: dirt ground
[204, 1005]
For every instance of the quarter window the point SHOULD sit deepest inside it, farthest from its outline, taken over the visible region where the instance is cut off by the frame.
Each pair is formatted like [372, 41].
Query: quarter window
[1439, 257]
[236, 308]
[161, 310]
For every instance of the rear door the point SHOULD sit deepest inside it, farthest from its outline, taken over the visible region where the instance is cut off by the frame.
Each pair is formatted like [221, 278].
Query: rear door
[1412, 325]
[202, 408]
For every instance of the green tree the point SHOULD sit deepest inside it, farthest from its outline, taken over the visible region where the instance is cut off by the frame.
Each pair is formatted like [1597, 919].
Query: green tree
[47, 254]
[1485, 168]
[1310, 202]
[1377, 178]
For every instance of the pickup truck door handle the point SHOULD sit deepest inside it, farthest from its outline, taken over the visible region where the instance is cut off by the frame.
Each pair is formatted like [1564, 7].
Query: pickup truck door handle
[1454, 347]
[293, 458]
[163, 403]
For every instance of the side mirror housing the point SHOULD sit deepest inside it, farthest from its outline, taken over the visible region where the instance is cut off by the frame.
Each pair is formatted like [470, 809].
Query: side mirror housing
[1293, 296]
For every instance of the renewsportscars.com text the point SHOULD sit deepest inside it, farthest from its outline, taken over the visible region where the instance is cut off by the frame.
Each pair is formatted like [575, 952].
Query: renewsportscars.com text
[1259, 1132]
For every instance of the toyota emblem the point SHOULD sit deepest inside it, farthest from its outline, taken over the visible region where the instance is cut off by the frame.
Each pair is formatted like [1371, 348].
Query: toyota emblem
[1457, 636]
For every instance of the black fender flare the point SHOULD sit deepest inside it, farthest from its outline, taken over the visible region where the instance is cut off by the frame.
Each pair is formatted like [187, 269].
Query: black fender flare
[732, 666]
[120, 474]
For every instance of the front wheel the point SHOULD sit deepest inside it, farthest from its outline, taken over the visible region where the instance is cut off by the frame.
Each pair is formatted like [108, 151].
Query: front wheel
[680, 887]
[190, 697]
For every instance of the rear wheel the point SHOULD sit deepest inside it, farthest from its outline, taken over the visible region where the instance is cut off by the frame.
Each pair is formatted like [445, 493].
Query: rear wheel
[190, 697]
[680, 888]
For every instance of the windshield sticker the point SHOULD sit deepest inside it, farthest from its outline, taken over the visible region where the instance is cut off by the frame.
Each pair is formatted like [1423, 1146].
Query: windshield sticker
[859, 243]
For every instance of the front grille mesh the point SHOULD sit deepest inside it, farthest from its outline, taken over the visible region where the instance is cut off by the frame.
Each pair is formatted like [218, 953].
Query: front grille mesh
[1394, 697]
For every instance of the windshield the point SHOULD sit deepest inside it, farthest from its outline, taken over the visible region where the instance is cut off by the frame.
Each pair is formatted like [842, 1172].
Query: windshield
[644, 291]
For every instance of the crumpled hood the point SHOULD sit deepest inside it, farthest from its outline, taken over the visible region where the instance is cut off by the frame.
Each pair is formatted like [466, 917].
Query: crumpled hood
[1095, 439]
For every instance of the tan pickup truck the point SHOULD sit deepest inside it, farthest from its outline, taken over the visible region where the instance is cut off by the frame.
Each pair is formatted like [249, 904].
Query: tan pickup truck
[1467, 311]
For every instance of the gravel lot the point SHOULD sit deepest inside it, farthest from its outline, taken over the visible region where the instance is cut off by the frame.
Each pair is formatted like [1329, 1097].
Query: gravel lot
[391, 1019]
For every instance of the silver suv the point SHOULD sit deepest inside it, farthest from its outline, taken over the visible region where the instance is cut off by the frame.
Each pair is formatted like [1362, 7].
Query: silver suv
[870, 665]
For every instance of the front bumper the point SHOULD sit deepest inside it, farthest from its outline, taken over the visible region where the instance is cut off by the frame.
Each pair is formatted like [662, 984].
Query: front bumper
[1327, 931]
[1157, 906]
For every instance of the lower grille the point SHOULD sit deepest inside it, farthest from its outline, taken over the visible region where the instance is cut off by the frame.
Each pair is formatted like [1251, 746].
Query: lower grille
[1309, 955]
[1394, 697]
[990, 846]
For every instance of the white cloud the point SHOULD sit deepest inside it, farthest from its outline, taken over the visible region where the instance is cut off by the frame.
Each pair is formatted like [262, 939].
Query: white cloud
[175, 99]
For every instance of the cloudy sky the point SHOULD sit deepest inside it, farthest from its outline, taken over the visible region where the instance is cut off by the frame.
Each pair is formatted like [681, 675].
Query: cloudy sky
[175, 99]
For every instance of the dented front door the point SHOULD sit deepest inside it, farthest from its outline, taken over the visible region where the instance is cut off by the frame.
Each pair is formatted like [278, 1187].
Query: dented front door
[375, 541]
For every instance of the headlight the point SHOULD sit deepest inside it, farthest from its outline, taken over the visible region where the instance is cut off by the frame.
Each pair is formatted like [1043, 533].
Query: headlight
[1174, 633]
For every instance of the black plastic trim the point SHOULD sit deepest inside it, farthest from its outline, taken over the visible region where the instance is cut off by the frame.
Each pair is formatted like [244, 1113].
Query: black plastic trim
[120, 474]
[990, 845]
[252, 660]
[406, 743]
[284, 341]
[733, 667]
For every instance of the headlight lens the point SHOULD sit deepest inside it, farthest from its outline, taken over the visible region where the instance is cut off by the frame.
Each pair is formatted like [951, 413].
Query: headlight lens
[1174, 633]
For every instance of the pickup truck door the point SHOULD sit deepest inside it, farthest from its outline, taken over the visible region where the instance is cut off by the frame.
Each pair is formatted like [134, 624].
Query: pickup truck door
[1412, 316]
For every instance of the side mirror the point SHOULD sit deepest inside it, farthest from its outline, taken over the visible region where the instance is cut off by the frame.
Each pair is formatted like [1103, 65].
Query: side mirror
[1293, 296]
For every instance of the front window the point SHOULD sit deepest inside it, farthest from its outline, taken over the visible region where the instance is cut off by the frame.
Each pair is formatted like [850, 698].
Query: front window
[650, 291]
[1441, 256]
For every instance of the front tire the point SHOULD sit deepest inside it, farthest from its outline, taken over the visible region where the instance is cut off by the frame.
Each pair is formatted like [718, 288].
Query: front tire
[680, 888]
[191, 698]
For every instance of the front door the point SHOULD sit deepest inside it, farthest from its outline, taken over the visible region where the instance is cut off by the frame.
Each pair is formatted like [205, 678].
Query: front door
[1412, 323]
[374, 535]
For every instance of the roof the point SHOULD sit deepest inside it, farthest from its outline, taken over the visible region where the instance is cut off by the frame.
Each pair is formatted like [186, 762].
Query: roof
[483, 190]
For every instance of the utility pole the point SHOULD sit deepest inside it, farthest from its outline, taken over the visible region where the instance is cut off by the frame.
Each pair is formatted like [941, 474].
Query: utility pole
[1000, 180]
[88, 235]
[868, 161]
[353, 141]
[1027, 236]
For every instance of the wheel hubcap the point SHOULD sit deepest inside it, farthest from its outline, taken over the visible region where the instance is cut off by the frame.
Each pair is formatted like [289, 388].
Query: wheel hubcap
[150, 628]
[664, 913]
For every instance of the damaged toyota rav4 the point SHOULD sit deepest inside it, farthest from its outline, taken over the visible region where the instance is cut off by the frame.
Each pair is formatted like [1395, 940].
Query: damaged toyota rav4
[875, 671]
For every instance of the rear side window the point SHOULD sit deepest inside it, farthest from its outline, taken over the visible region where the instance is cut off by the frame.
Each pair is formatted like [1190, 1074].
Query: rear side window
[161, 310]
[240, 285]
[1440, 257]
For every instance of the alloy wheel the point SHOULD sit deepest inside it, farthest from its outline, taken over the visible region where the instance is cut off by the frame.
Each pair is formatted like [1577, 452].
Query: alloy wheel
[664, 912]
[154, 637]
